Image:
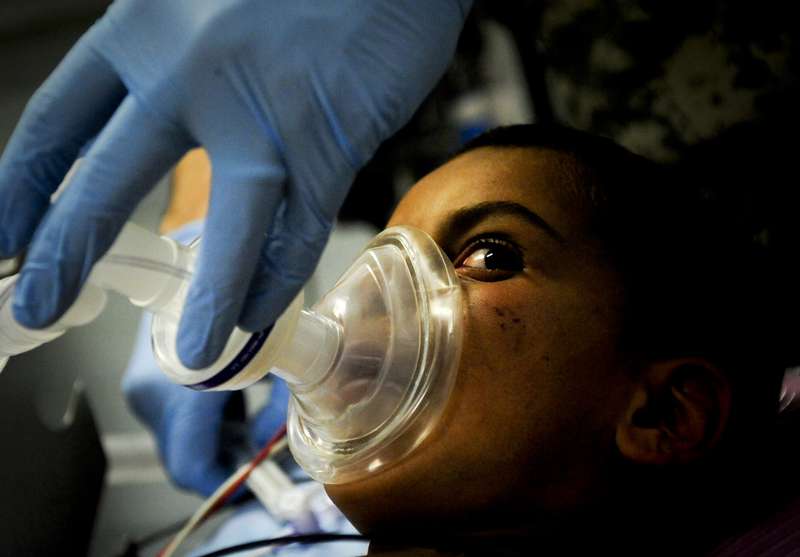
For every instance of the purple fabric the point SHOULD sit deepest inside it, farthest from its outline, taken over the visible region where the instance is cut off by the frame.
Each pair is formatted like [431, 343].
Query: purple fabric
[775, 536]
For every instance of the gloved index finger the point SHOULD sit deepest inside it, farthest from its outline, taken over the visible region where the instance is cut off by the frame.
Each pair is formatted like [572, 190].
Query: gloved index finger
[244, 198]
[273, 415]
[129, 157]
[70, 108]
[289, 256]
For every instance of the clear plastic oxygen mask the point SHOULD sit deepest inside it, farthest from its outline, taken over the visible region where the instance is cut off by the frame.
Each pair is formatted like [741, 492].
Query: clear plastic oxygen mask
[371, 366]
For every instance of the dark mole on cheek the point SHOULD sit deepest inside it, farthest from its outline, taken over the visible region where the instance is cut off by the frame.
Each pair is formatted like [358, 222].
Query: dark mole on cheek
[509, 320]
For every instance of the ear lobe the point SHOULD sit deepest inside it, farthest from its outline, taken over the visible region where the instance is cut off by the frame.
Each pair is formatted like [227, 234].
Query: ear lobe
[676, 414]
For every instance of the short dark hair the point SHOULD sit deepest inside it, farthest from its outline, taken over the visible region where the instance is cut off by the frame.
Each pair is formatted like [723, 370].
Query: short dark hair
[696, 282]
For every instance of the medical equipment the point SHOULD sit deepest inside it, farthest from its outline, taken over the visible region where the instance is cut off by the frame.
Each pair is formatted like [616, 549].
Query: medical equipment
[224, 492]
[370, 366]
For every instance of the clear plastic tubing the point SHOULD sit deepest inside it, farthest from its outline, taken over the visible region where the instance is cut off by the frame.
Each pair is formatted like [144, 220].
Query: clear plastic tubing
[153, 272]
[149, 281]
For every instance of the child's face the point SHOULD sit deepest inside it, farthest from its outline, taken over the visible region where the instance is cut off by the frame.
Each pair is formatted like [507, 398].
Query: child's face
[541, 385]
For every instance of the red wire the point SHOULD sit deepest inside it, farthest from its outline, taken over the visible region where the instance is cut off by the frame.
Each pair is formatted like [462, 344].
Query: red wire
[258, 459]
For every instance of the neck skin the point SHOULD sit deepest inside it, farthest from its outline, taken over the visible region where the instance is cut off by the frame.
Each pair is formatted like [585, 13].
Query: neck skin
[544, 534]
[645, 510]
[687, 515]
[600, 532]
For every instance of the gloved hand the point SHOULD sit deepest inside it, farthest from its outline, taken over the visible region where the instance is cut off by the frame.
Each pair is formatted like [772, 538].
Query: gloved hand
[290, 98]
[200, 435]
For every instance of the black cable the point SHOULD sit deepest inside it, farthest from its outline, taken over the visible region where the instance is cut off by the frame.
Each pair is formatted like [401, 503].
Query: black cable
[284, 540]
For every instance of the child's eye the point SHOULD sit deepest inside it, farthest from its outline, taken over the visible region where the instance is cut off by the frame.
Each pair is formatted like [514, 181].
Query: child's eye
[492, 257]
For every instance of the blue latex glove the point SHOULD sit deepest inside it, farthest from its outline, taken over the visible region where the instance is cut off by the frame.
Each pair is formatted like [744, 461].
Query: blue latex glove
[201, 436]
[290, 98]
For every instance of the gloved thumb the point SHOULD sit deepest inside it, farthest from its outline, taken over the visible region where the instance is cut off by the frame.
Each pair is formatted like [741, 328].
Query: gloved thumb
[192, 446]
[273, 415]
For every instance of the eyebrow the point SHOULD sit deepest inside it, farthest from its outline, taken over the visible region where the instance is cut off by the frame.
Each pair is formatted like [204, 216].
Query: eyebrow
[461, 220]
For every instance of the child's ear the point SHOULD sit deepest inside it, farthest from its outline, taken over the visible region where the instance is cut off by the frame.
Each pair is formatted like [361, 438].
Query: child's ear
[676, 414]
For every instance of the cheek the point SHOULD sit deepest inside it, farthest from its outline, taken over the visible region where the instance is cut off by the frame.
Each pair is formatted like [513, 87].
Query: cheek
[500, 417]
[510, 337]
[533, 362]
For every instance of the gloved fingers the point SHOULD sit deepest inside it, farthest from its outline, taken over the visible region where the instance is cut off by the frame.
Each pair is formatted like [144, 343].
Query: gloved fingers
[288, 259]
[270, 418]
[244, 198]
[131, 154]
[190, 438]
[70, 108]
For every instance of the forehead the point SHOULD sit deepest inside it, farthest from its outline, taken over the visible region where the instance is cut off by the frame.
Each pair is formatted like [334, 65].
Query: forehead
[542, 180]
